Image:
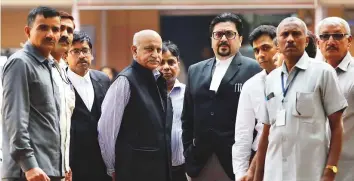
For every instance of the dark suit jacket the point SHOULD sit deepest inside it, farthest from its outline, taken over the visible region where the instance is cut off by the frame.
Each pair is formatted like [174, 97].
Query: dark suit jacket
[208, 118]
[85, 156]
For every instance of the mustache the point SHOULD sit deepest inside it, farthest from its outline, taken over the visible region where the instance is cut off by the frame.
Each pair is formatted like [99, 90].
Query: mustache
[82, 61]
[154, 60]
[224, 43]
[292, 45]
[331, 47]
[64, 39]
[48, 40]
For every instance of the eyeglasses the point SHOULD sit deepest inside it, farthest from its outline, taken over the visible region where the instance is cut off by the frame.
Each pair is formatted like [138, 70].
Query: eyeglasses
[335, 36]
[77, 52]
[217, 35]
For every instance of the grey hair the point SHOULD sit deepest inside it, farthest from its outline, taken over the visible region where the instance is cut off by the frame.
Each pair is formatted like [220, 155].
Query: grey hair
[334, 21]
[275, 41]
[137, 35]
[292, 19]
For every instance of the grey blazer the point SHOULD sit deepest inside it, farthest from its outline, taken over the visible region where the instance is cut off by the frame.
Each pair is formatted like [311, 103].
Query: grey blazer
[30, 108]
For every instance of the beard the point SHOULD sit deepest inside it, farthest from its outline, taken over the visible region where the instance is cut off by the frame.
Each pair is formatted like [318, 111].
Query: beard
[224, 52]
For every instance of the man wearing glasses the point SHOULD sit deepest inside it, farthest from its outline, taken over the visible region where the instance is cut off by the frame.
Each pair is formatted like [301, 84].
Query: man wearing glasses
[90, 88]
[210, 102]
[301, 95]
[334, 41]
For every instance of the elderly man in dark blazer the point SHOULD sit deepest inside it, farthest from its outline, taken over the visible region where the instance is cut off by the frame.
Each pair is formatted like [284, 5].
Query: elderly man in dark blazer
[210, 102]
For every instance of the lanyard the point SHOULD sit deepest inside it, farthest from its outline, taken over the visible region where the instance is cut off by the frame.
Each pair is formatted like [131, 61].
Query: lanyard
[285, 90]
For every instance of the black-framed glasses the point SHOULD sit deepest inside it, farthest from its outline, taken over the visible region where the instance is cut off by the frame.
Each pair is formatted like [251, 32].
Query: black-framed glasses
[217, 35]
[77, 52]
[335, 36]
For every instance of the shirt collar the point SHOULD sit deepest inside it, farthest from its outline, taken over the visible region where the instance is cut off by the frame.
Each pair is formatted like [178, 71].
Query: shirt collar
[73, 75]
[156, 74]
[177, 86]
[34, 51]
[61, 63]
[343, 65]
[303, 63]
[224, 62]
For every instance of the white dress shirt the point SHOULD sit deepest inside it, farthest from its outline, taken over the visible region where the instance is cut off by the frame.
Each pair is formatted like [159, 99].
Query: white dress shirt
[113, 106]
[221, 67]
[251, 97]
[67, 105]
[83, 86]
[177, 95]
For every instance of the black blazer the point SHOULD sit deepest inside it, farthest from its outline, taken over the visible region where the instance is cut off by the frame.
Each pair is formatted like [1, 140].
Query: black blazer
[85, 156]
[208, 118]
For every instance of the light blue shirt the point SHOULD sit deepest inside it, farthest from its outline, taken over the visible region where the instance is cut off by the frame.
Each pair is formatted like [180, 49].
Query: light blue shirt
[177, 97]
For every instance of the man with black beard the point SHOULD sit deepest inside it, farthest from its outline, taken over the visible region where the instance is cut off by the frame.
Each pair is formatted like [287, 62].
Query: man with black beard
[90, 88]
[210, 102]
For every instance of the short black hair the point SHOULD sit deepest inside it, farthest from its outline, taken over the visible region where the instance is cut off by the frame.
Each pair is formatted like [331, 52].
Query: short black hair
[269, 30]
[47, 12]
[81, 36]
[311, 48]
[170, 46]
[227, 17]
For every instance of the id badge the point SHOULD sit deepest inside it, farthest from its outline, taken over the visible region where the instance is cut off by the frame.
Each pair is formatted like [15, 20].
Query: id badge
[280, 120]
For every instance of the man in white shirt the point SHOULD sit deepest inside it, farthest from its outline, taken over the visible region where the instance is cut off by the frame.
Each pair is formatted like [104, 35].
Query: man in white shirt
[90, 88]
[67, 95]
[301, 95]
[248, 128]
[334, 41]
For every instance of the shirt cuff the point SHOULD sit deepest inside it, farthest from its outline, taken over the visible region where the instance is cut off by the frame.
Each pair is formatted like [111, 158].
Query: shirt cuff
[336, 107]
[110, 172]
[239, 175]
[28, 163]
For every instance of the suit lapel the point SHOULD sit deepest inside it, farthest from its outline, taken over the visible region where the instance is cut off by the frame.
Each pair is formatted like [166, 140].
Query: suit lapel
[232, 70]
[207, 73]
[97, 88]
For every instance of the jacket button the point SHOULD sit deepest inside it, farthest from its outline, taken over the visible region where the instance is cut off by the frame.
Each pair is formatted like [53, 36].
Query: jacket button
[212, 113]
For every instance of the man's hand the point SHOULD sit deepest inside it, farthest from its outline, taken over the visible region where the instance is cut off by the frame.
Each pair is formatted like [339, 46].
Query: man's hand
[247, 177]
[327, 178]
[68, 175]
[36, 174]
[328, 175]
[114, 176]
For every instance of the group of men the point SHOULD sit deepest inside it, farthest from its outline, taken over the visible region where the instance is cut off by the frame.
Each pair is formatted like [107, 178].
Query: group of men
[52, 103]
[282, 117]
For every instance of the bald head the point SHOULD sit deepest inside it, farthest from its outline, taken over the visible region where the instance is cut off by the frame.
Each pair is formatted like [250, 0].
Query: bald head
[143, 34]
[147, 48]
[292, 20]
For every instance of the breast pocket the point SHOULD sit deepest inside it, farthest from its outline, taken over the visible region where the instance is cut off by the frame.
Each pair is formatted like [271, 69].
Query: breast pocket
[304, 105]
[272, 107]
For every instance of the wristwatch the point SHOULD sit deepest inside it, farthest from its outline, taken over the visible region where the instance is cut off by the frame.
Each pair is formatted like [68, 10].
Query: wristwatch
[333, 168]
